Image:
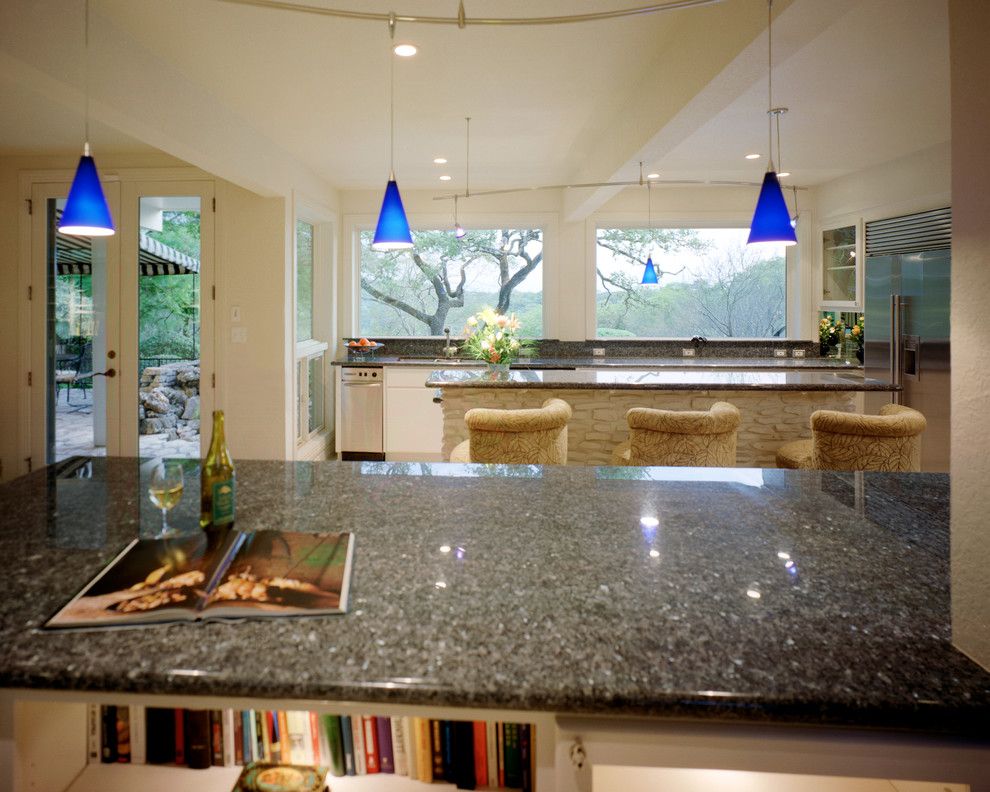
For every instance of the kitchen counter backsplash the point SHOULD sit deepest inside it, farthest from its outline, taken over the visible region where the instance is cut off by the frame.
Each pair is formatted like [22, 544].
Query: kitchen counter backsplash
[620, 348]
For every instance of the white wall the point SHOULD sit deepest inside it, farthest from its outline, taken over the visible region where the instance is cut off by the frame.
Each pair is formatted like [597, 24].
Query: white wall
[569, 248]
[969, 22]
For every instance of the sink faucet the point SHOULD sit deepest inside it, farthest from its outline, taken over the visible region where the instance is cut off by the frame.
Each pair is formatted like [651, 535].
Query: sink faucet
[449, 350]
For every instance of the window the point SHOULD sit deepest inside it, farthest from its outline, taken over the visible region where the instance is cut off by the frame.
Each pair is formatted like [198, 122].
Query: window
[312, 328]
[304, 281]
[710, 284]
[442, 280]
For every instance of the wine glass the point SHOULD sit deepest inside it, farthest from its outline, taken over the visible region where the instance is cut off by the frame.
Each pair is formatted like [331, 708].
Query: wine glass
[165, 490]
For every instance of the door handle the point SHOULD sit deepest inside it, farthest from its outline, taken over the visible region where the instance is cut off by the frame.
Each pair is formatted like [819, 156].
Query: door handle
[110, 373]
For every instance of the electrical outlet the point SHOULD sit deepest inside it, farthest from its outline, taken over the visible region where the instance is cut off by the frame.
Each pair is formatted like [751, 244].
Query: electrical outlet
[238, 335]
[780, 353]
[687, 352]
[598, 352]
[235, 313]
[798, 353]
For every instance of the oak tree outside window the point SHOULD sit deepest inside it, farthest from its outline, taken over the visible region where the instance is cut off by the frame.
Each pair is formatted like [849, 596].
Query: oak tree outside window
[710, 284]
[442, 280]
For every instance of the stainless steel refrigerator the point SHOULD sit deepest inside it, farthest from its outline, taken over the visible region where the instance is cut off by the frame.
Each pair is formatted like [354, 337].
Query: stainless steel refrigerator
[907, 321]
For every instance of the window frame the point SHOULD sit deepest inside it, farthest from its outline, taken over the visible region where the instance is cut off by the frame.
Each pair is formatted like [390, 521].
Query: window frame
[794, 307]
[355, 224]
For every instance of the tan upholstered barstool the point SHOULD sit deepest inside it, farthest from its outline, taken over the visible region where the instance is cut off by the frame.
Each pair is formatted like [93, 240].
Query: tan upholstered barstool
[682, 438]
[516, 437]
[890, 441]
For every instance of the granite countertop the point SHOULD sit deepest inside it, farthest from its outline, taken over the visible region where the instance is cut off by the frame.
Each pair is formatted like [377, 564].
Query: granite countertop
[659, 380]
[745, 363]
[727, 594]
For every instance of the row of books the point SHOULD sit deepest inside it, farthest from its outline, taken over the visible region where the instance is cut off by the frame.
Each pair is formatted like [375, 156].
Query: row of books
[469, 754]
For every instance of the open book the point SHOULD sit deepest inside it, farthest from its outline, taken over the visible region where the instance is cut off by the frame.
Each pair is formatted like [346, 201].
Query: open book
[216, 574]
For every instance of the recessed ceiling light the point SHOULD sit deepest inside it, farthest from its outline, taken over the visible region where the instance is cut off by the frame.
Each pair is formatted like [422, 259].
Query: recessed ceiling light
[783, 174]
[752, 156]
[445, 178]
[440, 161]
[405, 50]
[652, 175]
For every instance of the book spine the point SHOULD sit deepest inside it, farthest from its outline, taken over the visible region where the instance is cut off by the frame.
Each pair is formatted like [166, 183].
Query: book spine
[284, 740]
[238, 718]
[160, 735]
[383, 733]
[436, 750]
[108, 742]
[480, 753]
[492, 754]
[347, 733]
[139, 735]
[370, 744]
[230, 738]
[273, 749]
[500, 751]
[398, 737]
[525, 758]
[216, 738]
[124, 735]
[199, 739]
[409, 746]
[447, 748]
[462, 754]
[247, 733]
[512, 764]
[357, 732]
[264, 746]
[321, 753]
[93, 734]
[424, 753]
[297, 727]
[179, 722]
[335, 743]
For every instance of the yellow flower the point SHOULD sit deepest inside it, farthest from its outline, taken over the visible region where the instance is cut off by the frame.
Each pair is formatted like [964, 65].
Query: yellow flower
[488, 316]
[472, 321]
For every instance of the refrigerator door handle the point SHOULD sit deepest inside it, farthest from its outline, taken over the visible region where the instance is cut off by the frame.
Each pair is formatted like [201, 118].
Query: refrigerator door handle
[895, 344]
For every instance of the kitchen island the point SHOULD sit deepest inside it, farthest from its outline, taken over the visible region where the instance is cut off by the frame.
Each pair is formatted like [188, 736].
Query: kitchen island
[744, 602]
[775, 406]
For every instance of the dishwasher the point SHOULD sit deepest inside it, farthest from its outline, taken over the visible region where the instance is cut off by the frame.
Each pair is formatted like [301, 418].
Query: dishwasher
[361, 413]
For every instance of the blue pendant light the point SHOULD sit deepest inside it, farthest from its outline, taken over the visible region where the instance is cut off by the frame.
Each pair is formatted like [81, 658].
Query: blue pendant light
[650, 273]
[771, 219]
[86, 212]
[392, 231]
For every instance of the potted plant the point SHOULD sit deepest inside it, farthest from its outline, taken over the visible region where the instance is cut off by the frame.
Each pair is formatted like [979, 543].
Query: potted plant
[858, 333]
[493, 338]
[830, 333]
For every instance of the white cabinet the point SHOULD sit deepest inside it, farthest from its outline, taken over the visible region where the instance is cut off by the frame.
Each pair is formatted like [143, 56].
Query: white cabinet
[413, 421]
[842, 265]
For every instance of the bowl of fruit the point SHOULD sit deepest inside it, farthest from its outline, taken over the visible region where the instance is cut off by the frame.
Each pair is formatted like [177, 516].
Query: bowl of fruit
[362, 347]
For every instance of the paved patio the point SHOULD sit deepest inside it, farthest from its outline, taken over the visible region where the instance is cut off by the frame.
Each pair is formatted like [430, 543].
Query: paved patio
[74, 433]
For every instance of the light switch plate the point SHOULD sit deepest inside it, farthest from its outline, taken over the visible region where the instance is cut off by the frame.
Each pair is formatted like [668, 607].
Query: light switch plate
[238, 335]
[780, 353]
[798, 353]
[235, 313]
[598, 352]
[687, 352]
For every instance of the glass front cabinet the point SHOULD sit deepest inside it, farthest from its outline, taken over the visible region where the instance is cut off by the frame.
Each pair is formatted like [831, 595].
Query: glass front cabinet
[842, 259]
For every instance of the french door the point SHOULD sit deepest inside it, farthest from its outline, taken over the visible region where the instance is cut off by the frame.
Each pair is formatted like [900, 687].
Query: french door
[121, 341]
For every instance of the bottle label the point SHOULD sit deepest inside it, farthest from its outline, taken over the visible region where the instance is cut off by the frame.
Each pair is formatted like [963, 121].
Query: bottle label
[223, 502]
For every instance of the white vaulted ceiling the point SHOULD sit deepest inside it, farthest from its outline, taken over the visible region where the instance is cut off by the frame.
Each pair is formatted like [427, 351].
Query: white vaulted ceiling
[224, 86]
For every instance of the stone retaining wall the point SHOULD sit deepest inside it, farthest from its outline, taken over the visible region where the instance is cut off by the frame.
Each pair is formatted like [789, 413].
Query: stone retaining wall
[169, 400]
[769, 418]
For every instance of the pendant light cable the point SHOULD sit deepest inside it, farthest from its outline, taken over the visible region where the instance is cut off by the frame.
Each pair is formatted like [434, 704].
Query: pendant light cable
[770, 84]
[467, 158]
[86, 79]
[391, 101]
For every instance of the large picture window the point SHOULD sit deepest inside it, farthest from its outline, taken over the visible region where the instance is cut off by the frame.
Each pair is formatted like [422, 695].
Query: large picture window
[710, 284]
[442, 280]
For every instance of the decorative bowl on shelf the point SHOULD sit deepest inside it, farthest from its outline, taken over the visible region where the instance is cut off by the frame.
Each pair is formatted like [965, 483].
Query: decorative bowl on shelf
[361, 348]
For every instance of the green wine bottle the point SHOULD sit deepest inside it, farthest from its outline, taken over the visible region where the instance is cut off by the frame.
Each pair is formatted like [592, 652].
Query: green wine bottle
[217, 480]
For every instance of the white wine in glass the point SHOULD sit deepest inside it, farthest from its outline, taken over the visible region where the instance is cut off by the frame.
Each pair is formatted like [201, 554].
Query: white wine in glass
[165, 490]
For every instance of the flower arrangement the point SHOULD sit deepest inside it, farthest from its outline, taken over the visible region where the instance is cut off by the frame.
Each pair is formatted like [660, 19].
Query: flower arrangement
[830, 331]
[858, 332]
[493, 337]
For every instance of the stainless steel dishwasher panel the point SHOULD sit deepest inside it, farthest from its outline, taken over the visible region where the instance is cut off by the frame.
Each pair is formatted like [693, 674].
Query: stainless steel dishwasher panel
[362, 413]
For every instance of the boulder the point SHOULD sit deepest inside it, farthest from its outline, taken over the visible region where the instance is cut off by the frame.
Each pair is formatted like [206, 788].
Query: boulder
[191, 411]
[154, 401]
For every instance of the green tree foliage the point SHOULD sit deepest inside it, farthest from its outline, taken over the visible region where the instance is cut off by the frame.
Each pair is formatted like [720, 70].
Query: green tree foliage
[442, 281]
[169, 304]
[180, 230]
[304, 281]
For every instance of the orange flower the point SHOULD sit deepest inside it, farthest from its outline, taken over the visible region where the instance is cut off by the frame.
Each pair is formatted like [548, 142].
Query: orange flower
[494, 357]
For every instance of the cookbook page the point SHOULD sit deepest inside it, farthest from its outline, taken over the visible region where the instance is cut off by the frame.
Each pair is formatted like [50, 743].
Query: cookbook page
[279, 573]
[152, 580]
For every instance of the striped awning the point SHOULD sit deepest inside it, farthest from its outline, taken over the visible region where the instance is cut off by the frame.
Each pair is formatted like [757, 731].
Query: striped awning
[72, 257]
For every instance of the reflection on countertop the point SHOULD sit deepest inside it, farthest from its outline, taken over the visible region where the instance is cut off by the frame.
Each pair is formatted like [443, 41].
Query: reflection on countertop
[741, 363]
[733, 594]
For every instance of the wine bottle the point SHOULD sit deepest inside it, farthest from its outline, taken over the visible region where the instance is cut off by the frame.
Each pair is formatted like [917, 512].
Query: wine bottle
[217, 480]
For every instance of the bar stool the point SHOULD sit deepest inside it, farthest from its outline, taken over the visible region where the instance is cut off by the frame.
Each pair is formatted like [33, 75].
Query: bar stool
[890, 441]
[511, 437]
[681, 438]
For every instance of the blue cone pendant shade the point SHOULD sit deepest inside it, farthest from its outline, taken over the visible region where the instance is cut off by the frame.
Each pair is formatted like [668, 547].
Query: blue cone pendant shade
[650, 273]
[86, 212]
[392, 232]
[771, 220]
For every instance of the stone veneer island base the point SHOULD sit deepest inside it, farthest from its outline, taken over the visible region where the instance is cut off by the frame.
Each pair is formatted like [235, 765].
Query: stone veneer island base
[769, 418]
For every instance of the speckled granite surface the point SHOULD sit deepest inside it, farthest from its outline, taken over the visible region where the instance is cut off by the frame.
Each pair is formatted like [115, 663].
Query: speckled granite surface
[658, 380]
[578, 590]
[704, 363]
